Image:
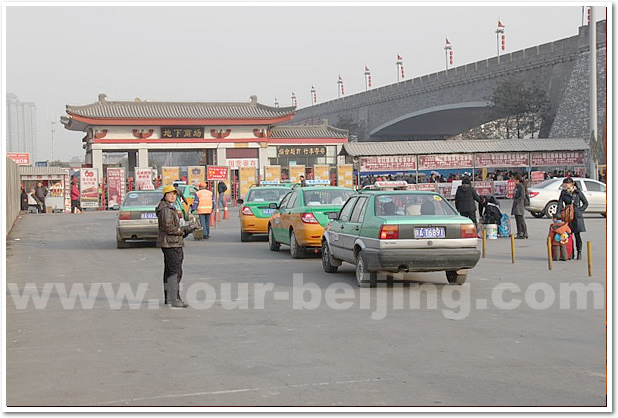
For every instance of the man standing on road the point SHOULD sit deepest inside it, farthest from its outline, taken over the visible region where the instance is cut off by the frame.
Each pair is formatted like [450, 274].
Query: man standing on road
[464, 199]
[171, 241]
[75, 206]
[40, 193]
[202, 205]
[221, 189]
[517, 210]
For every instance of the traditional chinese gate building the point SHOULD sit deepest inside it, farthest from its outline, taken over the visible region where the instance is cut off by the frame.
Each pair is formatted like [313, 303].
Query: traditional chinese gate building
[156, 134]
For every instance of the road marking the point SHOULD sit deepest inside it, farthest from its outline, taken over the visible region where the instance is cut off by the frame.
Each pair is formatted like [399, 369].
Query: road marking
[224, 392]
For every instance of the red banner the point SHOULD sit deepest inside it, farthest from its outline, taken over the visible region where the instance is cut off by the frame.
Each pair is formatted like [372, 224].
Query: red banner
[214, 172]
[388, 163]
[89, 187]
[483, 188]
[21, 158]
[116, 186]
[444, 161]
[537, 176]
[557, 158]
[502, 159]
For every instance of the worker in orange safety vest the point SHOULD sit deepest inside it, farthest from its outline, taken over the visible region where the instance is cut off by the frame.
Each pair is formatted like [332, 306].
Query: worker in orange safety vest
[203, 206]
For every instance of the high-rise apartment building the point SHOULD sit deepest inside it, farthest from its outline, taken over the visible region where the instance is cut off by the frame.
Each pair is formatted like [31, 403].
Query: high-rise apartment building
[21, 126]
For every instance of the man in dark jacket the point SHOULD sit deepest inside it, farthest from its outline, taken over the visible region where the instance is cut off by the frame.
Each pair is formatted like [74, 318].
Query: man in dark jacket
[40, 193]
[171, 241]
[464, 199]
[221, 189]
[517, 210]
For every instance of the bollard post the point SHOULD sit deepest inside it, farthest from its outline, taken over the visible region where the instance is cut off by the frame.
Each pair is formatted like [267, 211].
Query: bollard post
[549, 255]
[513, 248]
[484, 242]
[589, 258]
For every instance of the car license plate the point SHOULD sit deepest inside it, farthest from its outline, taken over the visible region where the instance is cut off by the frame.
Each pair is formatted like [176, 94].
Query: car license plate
[435, 232]
[149, 215]
[268, 211]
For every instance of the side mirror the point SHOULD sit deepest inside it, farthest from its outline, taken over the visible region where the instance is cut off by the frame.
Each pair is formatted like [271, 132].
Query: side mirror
[273, 206]
[240, 201]
[333, 215]
[116, 207]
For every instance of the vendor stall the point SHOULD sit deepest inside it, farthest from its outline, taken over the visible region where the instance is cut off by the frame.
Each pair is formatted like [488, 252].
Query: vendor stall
[57, 182]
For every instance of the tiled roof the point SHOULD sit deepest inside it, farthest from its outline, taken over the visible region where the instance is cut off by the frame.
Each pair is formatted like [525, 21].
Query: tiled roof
[462, 146]
[103, 109]
[307, 131]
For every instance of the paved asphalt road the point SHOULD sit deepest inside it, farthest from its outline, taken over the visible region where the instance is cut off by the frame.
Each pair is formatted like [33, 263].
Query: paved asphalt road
[453, 346]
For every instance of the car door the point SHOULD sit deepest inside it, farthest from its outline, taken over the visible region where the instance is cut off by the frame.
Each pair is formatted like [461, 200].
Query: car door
[596, 194]
[352, 229]
[277, 227]
[287, 218]
[338, 227]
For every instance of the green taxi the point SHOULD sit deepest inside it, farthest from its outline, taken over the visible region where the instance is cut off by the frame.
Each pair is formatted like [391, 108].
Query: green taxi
[254, 211]
[400, 231]
[299, 219]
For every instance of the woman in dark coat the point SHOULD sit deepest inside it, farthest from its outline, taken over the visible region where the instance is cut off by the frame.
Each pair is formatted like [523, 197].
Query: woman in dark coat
[571, 194]
[519, 197]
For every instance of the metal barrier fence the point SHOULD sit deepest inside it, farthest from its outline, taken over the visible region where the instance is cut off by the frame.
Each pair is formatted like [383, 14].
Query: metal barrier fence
[13, 193]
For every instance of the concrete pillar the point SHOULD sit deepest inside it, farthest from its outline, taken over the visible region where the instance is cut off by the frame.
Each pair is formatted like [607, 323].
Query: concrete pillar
[263, 160]
[142, 157]
[97, 160]
[220, 156]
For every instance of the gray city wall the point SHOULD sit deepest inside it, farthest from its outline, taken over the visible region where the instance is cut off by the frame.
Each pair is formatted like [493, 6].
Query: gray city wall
[559, 67]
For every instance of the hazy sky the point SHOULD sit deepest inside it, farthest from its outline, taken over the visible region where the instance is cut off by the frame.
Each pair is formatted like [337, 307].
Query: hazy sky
[61, 53]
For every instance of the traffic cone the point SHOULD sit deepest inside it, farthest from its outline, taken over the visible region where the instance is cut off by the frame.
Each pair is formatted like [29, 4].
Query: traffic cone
[218, 215]
[212, 220]
[226, 214]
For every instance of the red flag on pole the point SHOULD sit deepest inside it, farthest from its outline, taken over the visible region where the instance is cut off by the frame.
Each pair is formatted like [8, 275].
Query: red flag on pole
[500, 25]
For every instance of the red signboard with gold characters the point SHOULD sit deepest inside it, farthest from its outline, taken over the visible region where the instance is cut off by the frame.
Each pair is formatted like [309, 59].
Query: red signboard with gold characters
[214, 172]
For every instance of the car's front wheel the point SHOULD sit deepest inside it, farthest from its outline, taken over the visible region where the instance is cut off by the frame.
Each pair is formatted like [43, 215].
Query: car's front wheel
[551, 209]
[295, 250]
[537, 214]
[326, 259]
[272, 244]
[364, 278]
[454, 277]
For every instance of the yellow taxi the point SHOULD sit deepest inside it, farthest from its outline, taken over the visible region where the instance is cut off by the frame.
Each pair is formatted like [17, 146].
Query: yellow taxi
[254, 211]
[298, 221]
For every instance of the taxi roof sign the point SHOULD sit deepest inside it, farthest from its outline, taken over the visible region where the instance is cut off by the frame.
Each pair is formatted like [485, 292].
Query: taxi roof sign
[316, 182]
[266, 182]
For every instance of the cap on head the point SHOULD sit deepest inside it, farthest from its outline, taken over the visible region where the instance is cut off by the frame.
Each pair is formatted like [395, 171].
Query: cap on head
[169, 189]
[202, 184]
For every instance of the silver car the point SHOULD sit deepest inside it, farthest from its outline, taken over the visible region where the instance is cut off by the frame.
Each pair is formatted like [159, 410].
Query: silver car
[544, 196]
[137, 219]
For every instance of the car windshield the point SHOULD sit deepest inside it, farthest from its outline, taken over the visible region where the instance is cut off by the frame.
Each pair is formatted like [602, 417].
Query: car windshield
[141, 199]
[267, 195]
[326, 197]
[412, 205]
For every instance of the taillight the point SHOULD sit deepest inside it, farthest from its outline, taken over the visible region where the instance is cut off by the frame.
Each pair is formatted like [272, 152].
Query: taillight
[246, 210]
[468, 231]
[308, 218]
[389, 232]
[533, 194]
[124, 216]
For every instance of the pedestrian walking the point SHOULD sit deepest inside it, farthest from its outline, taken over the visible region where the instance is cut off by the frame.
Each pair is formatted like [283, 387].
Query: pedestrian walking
[570, 194]
[40, 193]
[520, 196]
[465, 196]
[303, 183]
[171, 241]
[75, 203]
[221, 189]
[203, 206]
